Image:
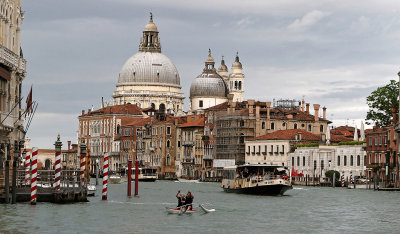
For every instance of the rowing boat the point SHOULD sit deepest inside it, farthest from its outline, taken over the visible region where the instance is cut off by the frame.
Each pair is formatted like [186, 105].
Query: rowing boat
[178, 210]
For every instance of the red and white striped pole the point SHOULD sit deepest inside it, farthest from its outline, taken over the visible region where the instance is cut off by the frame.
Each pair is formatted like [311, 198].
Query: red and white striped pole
[57, 171]
[343, 179]
[28, 168]
[34, 176]
[83, 163]
[105, 176]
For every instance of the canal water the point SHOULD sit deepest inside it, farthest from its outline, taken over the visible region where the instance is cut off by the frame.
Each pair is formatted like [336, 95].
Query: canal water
[302, 210]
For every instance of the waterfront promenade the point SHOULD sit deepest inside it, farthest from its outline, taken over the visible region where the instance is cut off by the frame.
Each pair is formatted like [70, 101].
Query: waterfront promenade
[303, 210]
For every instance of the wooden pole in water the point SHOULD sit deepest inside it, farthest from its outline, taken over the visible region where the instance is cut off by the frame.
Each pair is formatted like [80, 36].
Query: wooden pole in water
[334, 180]
[137, 178]
[129, 177]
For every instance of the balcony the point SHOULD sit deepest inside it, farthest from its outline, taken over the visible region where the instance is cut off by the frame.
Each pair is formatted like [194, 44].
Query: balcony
[264, 153]
[8, 121]
[11, 59]
[152, 149]
[208, 156]
[188, 160]
[187, 143]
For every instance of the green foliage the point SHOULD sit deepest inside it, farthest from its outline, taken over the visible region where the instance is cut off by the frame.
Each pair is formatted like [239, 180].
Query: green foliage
[380, 103]
[330, 173]
[351, 142]
[308, 145]
[293, 148]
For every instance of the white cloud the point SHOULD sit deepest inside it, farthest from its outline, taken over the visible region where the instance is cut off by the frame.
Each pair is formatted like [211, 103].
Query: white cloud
[307, 20]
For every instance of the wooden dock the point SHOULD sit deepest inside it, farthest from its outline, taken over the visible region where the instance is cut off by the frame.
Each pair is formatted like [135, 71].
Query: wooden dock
[72, 189]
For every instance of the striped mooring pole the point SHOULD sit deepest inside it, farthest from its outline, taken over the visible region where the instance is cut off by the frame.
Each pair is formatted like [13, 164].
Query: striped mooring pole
[28, 168]
[351, 177]
[83, 163]
[34, 176]
[342, 179]
[105, 176]
[57, 171]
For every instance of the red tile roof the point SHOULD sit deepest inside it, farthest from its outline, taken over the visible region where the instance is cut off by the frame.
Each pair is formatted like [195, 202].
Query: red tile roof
[129, 109]
[289, 134]
[196, 123]
[137, 122]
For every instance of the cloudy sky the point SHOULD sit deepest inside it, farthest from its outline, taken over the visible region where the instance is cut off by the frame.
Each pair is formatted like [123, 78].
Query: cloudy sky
[332, 52]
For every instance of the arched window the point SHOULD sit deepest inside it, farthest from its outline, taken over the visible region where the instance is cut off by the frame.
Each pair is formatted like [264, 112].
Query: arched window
[338, 160]
[118, 129]
[168, 143]
[47, 164]
[162, 107]
[168, 160]
[272, 126]
[240, 85]
[321, 128]
[241, 123]
[295, 126]
[309, 128]
[263, 125]
[358, 160]
[153, 105]
[236, 85]
[351, 160]
[345, 161]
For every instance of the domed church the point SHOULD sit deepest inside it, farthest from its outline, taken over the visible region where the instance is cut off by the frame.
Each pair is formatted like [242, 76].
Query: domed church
[149, 78]
[211, 88]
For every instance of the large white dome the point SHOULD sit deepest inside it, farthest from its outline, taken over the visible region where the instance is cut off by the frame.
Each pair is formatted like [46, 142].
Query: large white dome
[146, 68]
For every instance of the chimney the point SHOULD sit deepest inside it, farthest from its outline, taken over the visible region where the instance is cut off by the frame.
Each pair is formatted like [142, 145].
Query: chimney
[299, 106]
[251, 108]
[302, 105]
[268, 109]
[394, 112]
[316, 110]
[69, 145]
[308, 108]
[83, 112]
[230, 99]
[324, 113]
[257, 111]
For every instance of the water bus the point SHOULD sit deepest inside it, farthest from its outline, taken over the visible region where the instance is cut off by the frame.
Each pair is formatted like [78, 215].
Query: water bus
[146, 174]
[256, 179]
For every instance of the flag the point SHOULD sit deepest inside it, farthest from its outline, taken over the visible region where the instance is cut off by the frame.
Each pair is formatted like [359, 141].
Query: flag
[29, 102]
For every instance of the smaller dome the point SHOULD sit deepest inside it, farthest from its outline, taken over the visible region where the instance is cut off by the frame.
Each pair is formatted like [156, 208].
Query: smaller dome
[222, 67]
[208, 85]
[151, 26]
[237, 63]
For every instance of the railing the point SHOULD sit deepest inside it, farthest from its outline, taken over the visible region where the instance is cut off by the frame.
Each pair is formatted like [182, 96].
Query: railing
[188, 143]
[46, 178]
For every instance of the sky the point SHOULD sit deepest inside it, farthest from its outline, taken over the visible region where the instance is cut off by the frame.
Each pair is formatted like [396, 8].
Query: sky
[332, 53]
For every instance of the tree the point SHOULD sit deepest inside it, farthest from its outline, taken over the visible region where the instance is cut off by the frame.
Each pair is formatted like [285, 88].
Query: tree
[380, 103]
[330, 173]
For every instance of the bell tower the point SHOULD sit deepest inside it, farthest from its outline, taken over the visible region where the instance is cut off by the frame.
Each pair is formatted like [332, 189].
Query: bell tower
[236, 80]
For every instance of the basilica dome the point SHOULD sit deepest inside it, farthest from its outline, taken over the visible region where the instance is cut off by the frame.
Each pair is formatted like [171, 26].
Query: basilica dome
[209, 83]
[149, 68]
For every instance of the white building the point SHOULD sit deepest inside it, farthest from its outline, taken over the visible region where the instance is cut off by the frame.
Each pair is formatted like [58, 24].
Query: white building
[315, 161]
[149, 78]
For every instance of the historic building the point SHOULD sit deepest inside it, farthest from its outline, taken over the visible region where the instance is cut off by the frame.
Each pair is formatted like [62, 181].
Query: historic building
[101, 129]
[149, 78]
[211, 88]
[12, 73]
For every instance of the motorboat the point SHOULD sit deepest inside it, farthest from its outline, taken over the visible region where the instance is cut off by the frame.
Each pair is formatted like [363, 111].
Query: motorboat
[114, 179]
[145, 174]
[258, 179]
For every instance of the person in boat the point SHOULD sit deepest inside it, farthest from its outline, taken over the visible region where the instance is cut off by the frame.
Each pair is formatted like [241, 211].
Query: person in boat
[189, 200]
[181, 198]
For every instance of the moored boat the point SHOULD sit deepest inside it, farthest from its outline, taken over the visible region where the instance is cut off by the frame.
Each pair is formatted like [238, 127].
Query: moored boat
[114, 179]
[146, 174]
[256, 179]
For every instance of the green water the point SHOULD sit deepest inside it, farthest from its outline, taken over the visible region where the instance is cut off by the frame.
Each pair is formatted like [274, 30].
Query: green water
[302, 210]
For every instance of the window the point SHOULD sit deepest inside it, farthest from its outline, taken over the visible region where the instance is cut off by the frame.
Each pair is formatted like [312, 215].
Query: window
[263, 125]
[351, 160]
[292, 161]
[283, 124]
[304, 161]
[315, 164]
[370, 141]
[385, 140]
[241, 123]
[248, 149]
[168, 143]
[272, 126]
[376, 140]
[298, 161]
[179, 144]
[168, 159]
[295, 126]
[272, 149]
[321, 128]
[201, 103]
[345, 161]
[338, 160]
[283, 149]
[137, 131]
[168, 130]
[358, 160]
[376, 158]
[254, 149]
[380, 140]
[309, 127]
[365, 159]
[322, 165]
[259, 149]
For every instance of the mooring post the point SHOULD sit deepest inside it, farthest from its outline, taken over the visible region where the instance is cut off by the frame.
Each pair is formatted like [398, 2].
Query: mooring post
[88, 164]
[334, 180]
[105, 176]
[34, 176]
[14, 181]
[129, 177]
[57, 168]
[137, 178]
[97, 171]
[83, 163]
[27, 168]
